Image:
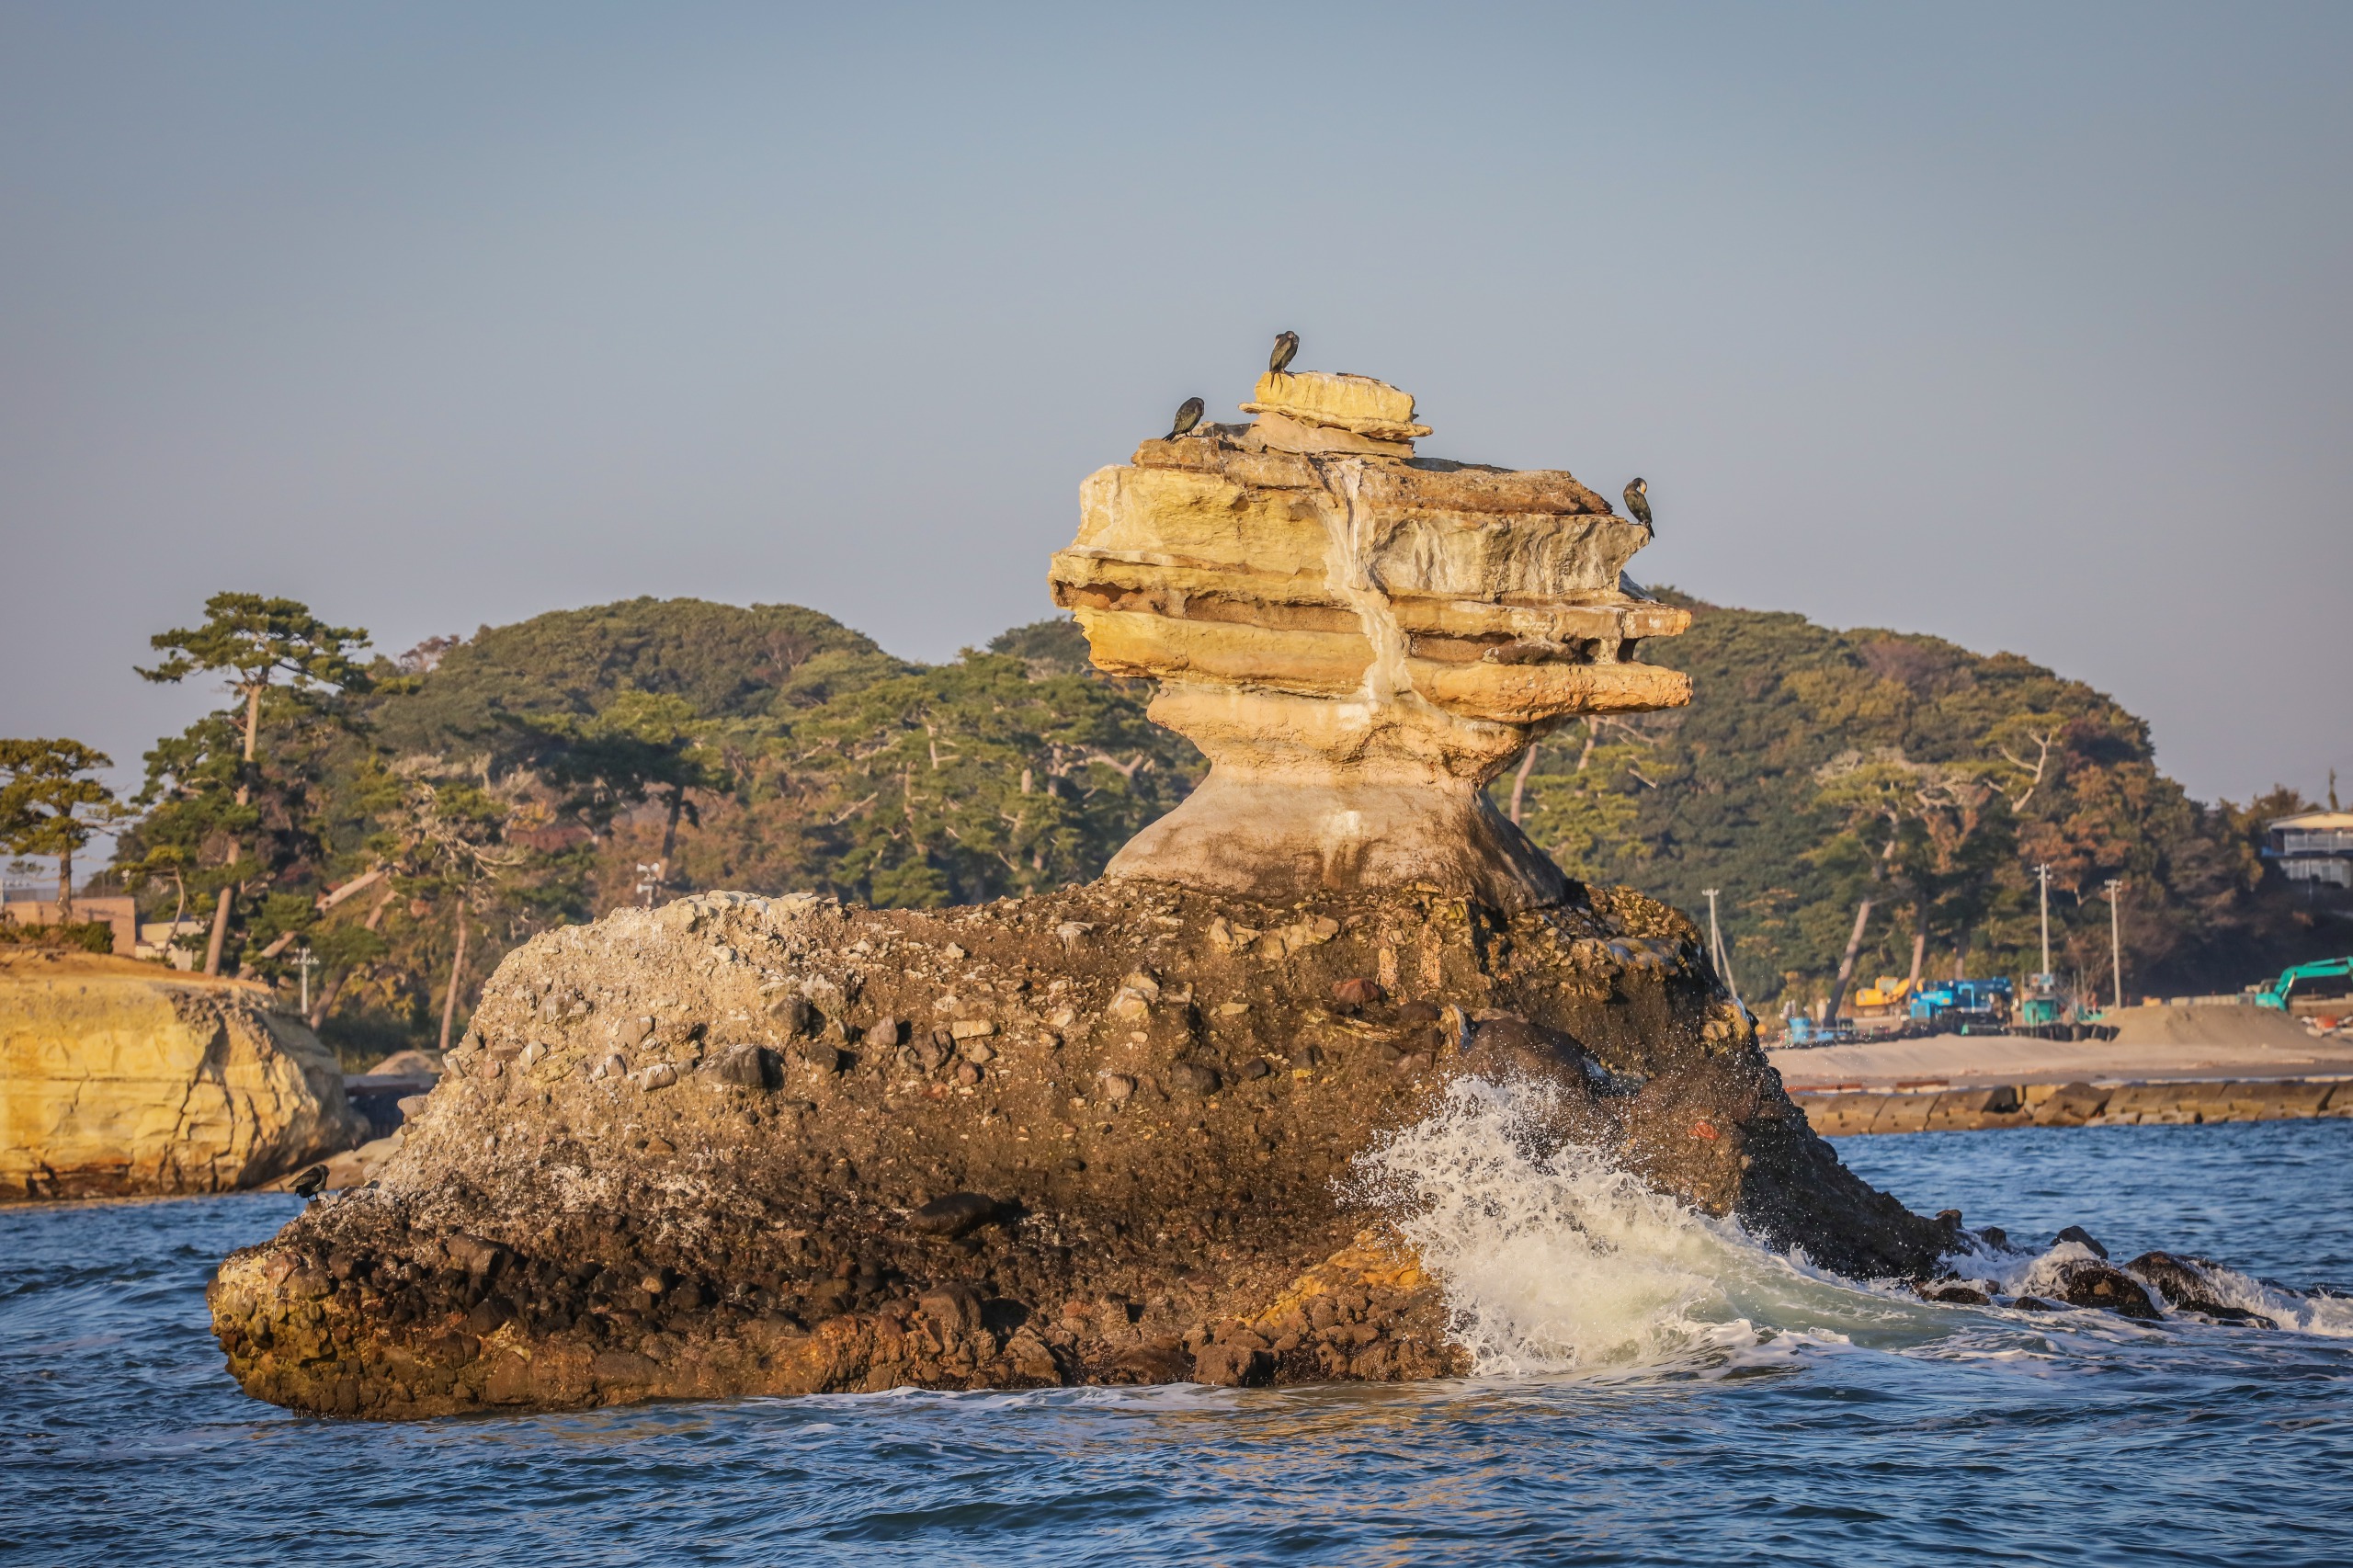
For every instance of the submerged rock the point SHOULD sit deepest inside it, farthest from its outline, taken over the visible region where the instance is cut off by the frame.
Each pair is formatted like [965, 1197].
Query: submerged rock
[2188, 1286]
[1125, 1195]
[2083, 1282]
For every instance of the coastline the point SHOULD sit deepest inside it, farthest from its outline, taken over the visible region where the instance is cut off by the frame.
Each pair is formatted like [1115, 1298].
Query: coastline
[2168, 1064]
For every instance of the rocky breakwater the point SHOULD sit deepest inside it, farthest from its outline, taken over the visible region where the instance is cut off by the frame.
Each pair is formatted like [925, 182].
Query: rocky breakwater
[120, 1079]
[1108, 1134]
[2076, 1104]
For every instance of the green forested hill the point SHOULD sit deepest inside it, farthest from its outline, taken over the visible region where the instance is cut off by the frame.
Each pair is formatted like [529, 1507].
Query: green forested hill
[530, 774]
[721, 661]
[1815, 767]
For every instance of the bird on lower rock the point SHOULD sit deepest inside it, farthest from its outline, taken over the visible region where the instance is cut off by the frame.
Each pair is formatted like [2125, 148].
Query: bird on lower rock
[308, 1183]
[1188, 413]
[1286, 346]
[1638, 502]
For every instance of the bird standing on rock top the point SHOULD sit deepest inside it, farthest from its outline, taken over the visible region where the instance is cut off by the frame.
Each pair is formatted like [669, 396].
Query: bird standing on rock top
[1285, 345]
[1188, 413]
[1638, 503]
[307, 1184]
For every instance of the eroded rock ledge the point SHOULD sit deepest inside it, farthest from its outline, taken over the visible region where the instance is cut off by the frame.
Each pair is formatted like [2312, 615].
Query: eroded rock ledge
[749, 1146]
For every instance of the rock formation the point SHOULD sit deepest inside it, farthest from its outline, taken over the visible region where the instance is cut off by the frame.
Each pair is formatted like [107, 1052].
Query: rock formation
[120, 1078]
[777, 1145]
[1359, 640]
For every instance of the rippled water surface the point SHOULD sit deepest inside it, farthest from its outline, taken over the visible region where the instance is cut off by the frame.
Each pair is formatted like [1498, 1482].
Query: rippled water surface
[1684, 1400]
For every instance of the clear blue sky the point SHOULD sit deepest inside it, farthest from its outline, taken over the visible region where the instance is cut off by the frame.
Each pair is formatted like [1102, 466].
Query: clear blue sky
[2025, 325]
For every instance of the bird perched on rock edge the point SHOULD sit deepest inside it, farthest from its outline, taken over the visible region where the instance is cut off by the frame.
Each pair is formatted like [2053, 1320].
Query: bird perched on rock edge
[1286, 346]
[1638, 503]
[307, 1184]
[1188, 413]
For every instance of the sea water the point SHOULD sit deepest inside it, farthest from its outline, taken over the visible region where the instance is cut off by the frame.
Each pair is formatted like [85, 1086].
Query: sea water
[1649, 1387]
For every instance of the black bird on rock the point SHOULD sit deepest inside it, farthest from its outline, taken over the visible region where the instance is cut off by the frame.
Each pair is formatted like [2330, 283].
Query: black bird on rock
[307, 1184]
[1188, 413]
[1285, 345]
[1638, 502]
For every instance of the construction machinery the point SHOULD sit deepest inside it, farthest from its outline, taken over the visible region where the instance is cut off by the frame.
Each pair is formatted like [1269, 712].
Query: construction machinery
[2311, 990]
[1963, 1006]
[1806, 1032]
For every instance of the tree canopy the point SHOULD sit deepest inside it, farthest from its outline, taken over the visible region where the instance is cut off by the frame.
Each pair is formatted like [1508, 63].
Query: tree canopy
[479, 790]
[1815, 767]
[50, 806]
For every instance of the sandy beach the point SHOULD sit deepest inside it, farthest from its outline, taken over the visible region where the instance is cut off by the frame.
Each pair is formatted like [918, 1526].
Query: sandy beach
[2153, 1045]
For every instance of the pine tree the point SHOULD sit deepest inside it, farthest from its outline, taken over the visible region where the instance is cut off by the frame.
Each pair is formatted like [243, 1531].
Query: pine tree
[48, 805]
[261, 645]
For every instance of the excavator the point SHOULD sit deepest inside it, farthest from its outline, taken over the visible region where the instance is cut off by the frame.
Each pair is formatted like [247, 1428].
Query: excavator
[2318, 989]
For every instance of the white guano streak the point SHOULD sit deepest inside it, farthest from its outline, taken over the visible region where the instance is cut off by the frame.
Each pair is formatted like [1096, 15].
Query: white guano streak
[1348, 569]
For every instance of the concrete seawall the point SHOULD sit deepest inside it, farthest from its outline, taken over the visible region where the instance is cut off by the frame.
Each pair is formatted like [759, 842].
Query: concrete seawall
[2075, 1105]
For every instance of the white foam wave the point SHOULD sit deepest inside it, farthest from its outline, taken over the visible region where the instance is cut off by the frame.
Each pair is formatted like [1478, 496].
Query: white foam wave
[1554, 1260]
[2020, 1273]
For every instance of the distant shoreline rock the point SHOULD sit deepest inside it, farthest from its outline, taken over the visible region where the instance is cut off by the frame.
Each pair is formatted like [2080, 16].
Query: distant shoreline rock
[126, 1079]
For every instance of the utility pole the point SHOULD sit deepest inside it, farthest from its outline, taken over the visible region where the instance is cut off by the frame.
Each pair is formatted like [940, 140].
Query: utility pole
[2116, 940]
[2043, 874]
[1716, 953]
[305, 961]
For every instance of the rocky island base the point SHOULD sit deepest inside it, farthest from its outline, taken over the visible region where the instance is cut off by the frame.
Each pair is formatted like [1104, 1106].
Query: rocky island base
[749, 1146]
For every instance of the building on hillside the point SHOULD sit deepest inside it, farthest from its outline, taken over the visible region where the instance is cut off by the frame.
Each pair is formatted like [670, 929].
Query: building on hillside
[2316, 847]
[34, 903]
[22, 904]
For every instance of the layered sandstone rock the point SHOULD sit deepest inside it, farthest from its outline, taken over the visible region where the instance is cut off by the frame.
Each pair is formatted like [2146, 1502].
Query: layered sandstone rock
[1357, 639]
[120, 1078]
[741, 1146]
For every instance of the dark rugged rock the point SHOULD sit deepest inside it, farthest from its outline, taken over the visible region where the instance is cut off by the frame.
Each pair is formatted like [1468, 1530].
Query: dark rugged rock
[2082, 1238]
[741, 1146]
[2083, 1283]
[2184, 1283]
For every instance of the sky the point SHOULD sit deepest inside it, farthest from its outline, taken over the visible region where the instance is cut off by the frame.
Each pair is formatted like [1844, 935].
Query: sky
[2028, 326]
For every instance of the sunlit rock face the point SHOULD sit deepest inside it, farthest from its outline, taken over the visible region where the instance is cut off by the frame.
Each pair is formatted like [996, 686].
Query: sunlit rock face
[1357, 639]
[120, 1079]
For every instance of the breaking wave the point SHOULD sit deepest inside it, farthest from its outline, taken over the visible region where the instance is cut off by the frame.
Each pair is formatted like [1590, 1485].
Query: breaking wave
[1555, 1261]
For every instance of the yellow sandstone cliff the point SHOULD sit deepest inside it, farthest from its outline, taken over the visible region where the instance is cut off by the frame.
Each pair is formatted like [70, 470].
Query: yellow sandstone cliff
[120, 1078]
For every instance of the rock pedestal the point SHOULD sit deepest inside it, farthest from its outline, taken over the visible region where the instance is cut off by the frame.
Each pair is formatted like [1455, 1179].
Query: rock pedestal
[1357, 639]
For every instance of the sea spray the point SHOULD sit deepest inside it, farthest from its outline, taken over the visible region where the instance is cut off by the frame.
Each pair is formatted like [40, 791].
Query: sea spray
[1552, 1259]
[1555, 1260]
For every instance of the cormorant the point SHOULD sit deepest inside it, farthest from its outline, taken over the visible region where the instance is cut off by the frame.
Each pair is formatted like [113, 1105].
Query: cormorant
[1188, 413]
[307, 1184]
[1285, 345]
[1638, 503]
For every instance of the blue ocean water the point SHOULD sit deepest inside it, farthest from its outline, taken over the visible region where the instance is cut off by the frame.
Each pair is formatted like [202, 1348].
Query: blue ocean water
[1777, 1416]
